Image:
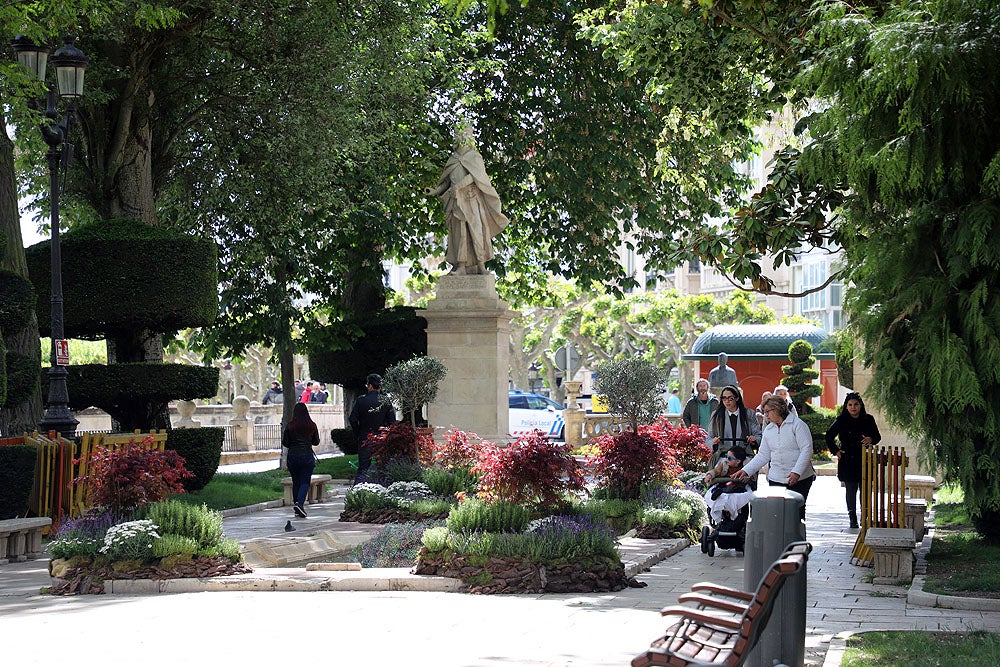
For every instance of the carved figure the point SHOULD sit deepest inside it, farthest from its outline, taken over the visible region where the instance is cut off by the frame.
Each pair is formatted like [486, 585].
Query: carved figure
[471, 207]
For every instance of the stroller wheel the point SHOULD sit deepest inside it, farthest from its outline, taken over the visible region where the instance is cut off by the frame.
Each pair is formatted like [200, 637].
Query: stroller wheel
[711, 548]
[704, 539]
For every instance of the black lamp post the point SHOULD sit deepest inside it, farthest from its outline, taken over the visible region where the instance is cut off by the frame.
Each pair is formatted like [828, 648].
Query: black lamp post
[70, 63]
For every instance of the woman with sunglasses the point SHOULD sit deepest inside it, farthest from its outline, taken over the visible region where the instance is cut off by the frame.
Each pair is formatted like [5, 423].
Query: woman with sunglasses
[856, 429]
[732, 424]
[786, 444]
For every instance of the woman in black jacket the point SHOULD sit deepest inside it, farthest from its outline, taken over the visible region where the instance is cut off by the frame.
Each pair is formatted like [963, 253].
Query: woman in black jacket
[300, 436]
[856, 428]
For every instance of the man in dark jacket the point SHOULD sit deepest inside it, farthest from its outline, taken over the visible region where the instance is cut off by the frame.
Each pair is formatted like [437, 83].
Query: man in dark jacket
[368, 415]
[273, 395]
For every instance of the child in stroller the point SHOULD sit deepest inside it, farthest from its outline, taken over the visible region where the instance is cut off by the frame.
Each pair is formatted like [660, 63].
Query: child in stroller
[728, 504]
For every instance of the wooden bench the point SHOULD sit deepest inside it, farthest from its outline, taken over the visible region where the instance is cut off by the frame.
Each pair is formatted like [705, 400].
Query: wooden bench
[317, 487]
[21, 539]
[727, 623]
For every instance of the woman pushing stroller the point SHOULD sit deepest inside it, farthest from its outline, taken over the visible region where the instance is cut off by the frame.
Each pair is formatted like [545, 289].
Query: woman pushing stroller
[732, 424]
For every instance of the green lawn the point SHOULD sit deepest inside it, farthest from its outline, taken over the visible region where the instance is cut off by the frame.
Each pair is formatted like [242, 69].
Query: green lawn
[228, 490]
[959, 561]
[922, 649]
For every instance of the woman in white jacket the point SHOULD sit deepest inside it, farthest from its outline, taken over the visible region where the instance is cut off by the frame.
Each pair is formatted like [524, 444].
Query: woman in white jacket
[786, 444]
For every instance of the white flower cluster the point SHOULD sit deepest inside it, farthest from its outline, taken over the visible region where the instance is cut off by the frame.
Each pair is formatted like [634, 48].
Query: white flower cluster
[130, 539]
[368, 487]
[410, 490]
[538, 524]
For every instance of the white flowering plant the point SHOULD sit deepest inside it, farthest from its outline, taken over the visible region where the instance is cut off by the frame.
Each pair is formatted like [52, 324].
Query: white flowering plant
[132, 540]
[410, 490]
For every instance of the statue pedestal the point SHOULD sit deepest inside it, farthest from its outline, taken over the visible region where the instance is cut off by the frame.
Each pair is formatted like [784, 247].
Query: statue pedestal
[468, 329]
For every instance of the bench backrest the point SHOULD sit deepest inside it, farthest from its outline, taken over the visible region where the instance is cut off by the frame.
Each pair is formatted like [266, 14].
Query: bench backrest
[759, 610]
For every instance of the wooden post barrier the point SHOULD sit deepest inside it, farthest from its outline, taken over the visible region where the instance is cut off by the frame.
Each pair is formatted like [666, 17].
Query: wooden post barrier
[883, 490]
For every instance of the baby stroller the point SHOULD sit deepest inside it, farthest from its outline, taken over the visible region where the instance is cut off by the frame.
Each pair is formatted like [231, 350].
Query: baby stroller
[729, 508]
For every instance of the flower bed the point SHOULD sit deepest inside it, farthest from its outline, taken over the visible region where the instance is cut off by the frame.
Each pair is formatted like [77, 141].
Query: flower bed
[386, 515]
[89, 578]
[514, 575]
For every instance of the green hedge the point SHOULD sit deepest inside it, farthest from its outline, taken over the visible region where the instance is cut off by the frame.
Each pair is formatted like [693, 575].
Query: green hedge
[120, 275]
[340, 355]
[345, 440]
[201, 449]
[135, 394]
[819, 423]
[17, 474]
[17, 298]
[22, 374]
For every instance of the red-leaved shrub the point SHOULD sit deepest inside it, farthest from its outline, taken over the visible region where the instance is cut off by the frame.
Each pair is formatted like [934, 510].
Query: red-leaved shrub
[460, 449]
[532, 470]
[687, 443]
[626, 461]
[126, 478]
[396, 441]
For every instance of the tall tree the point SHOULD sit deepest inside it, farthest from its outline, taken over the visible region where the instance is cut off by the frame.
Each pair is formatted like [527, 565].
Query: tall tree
[570, 142]
[909, 128]
[42, 21]
[322, 184]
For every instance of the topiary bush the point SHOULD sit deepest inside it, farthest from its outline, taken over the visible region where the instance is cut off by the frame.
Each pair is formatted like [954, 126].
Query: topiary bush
[17, 475]
[102, 294]
[799, 376]
[135, 394]
[17, 300]
[22, 375]
[346, 352]
[345, 440]
[201, 449]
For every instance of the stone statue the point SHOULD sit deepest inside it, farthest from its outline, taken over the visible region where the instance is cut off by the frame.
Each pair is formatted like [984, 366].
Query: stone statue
[722, 375]
[471, 207]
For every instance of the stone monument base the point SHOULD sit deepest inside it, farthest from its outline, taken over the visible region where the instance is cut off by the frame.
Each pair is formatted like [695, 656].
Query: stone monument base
[468, 329]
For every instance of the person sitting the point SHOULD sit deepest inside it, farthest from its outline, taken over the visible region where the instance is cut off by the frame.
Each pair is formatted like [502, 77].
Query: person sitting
[727, 497]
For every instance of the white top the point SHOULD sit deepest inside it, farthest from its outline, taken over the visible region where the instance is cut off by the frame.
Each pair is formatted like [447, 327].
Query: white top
[788, 448]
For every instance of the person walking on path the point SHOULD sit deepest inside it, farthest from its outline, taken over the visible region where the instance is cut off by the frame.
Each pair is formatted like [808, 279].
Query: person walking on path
[700, 407]
[369, 414]
[786, 444]
[855, 429]
[732, 424]
[300, 436]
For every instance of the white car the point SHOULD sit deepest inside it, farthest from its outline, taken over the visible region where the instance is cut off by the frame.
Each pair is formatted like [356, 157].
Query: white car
[533, 411]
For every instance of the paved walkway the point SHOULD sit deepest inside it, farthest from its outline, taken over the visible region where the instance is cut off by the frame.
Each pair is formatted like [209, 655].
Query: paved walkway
[437, 628]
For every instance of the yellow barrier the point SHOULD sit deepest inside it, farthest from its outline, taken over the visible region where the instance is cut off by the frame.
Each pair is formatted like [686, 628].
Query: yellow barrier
[60, 461]
[883, 491]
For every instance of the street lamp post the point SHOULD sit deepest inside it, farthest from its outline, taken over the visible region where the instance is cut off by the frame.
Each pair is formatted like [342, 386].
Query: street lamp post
[70, 63]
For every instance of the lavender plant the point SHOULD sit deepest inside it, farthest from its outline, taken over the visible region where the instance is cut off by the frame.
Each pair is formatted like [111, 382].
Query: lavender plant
[396, 545]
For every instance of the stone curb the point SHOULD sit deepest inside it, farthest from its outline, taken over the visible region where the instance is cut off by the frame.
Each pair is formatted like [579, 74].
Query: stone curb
[835, 652]
[646, 559]
[250, 509]
[375, 579]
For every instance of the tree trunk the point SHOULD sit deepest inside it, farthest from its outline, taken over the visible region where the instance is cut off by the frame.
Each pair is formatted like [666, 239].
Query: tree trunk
[24, 416]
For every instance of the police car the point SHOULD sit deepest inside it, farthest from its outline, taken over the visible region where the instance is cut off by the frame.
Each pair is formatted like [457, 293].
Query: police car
[533, 411]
